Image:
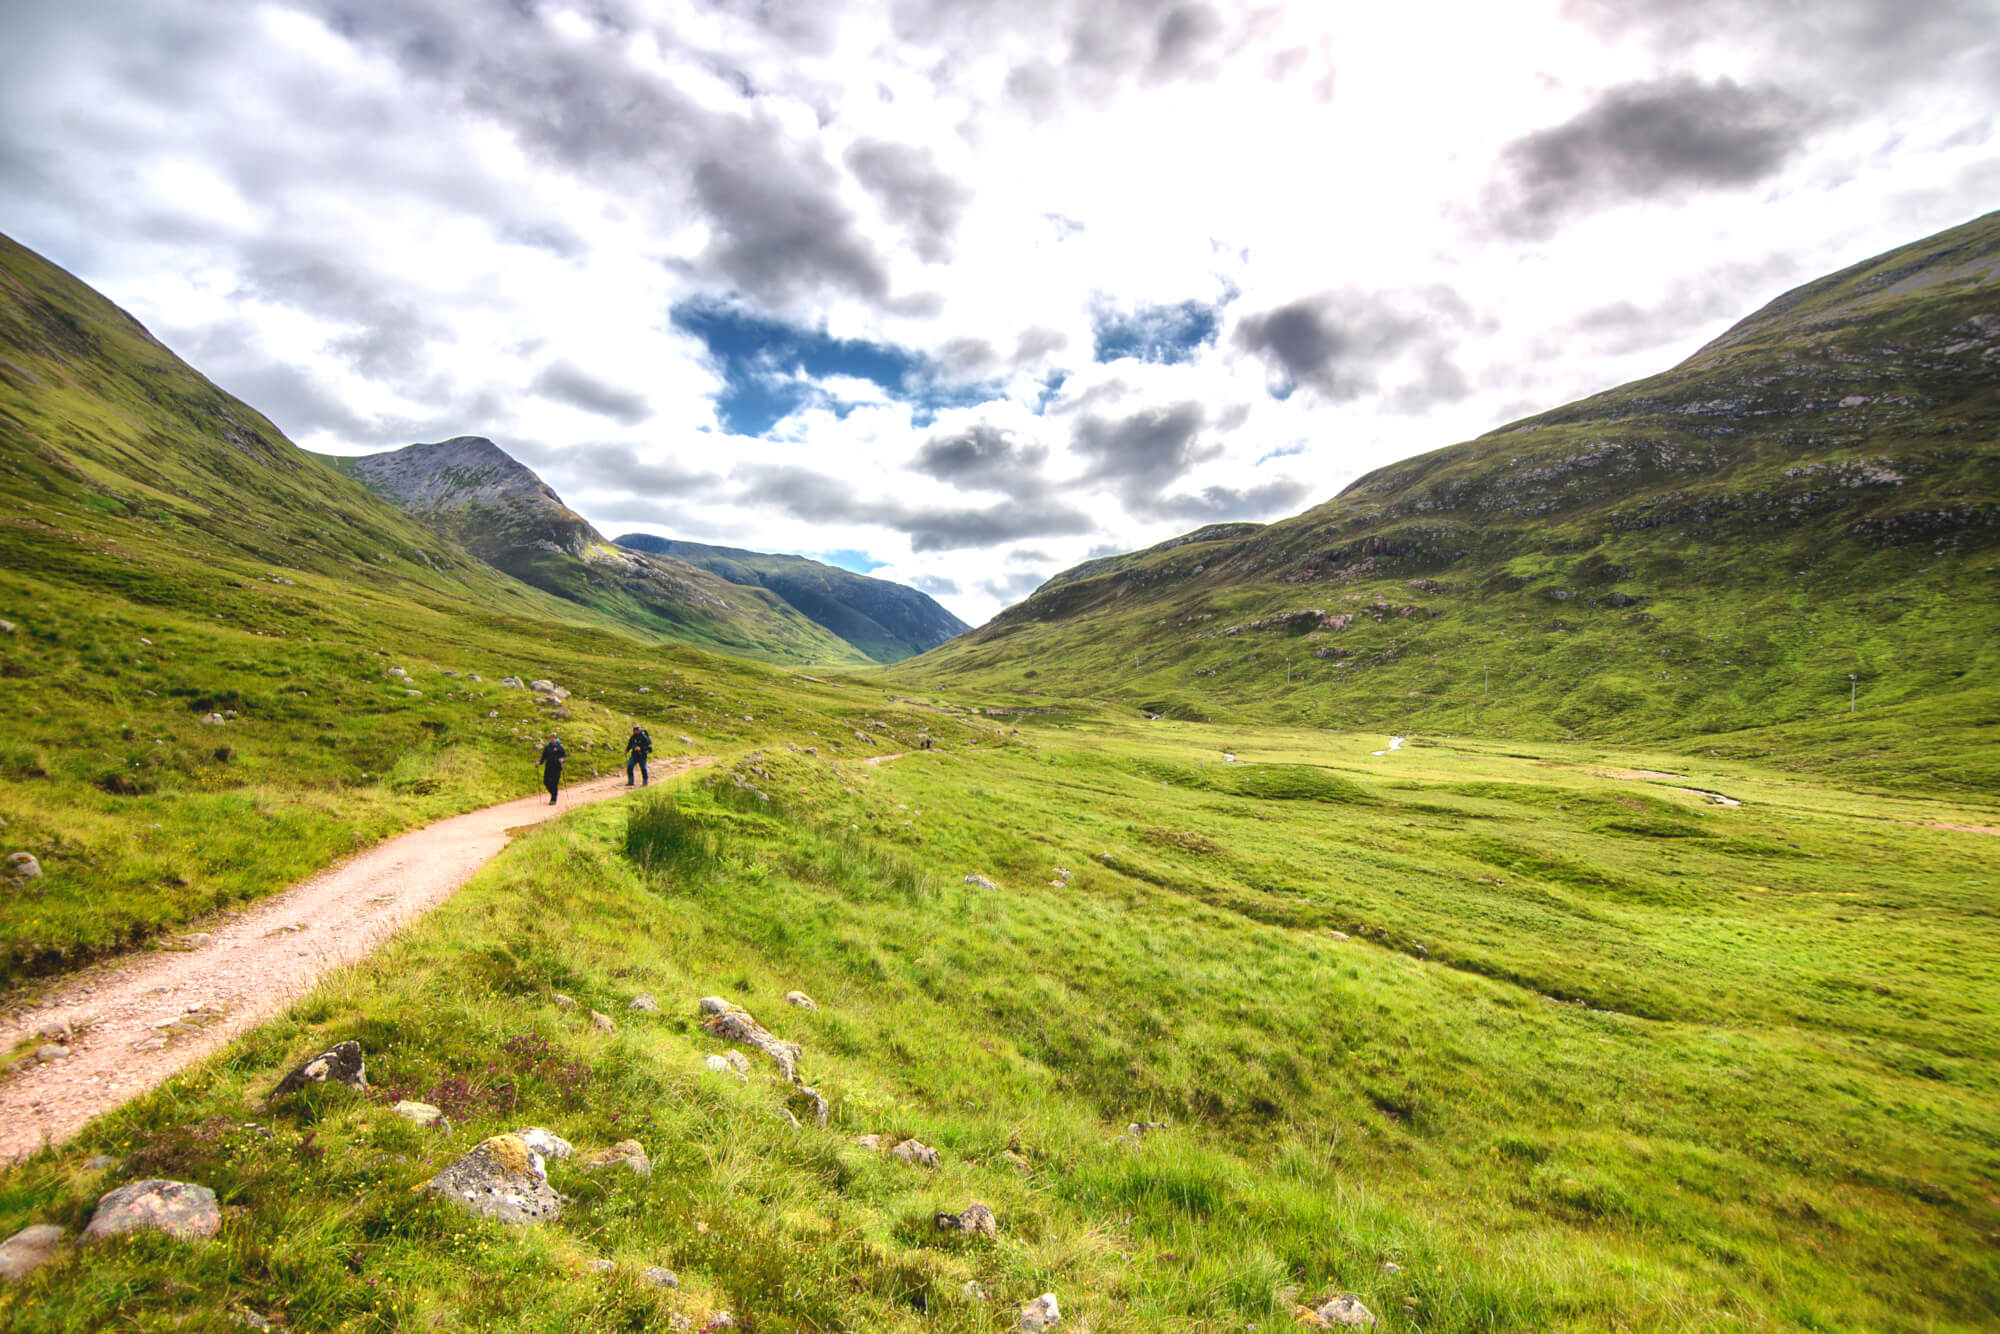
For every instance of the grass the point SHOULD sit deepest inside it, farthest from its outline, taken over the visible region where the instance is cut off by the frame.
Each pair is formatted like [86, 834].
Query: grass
[1586, 1052]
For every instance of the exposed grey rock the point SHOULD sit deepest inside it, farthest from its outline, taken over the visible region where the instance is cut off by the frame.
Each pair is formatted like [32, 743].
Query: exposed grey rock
[625, 1153]
[725, 1065]
[801, 1000]
[1346, 1311]
[659, 1276]
[173, 1207]
[599, 1266]
[548, 689]
[512, 683]
[1138, 1130]
[1040, 1314]
[339, 1064]
[980, 881]
[52, 1051]
[28, 1250]
[1620, 600]
[422, 1113]
[396, 672]
[212, 719]
[873, 1143]
[502, 1178]
[916, 1153]
[23, 866]
[6, 627]
[733, 1024]
[972, 1292]
[815, 1101]
[602, 1022]
[975, 1219]
[546, 1142]
[644, 1003]
[562, 1000]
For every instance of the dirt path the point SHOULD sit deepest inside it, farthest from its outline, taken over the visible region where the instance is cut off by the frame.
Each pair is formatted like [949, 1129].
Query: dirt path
[133, 1022]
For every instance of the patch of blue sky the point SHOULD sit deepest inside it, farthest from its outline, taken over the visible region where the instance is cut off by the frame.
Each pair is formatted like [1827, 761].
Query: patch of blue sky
[1282, 452]
[1167, 335]
[854, 562]
[771, 369]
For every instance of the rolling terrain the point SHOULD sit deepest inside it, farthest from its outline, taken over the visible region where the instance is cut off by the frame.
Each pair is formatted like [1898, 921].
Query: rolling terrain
[887, 621]
[1805, 512]
[1671, 1016]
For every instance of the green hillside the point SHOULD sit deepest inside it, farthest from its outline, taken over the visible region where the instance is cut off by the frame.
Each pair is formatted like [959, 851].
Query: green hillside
[886, 621]
[1808, 507]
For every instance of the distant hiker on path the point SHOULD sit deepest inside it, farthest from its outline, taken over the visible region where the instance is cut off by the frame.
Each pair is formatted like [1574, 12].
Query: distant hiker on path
[637, 747]
[553, 755]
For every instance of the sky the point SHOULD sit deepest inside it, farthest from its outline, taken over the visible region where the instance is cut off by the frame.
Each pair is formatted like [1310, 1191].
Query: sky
[962, 292]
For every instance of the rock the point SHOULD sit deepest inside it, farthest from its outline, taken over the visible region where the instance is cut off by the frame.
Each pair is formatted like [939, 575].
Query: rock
[1138, 1130]
[972, 1292]
[800, 999]
[1040, 1314]
[340, 1064]
[1344, 1311]
[872, 1143]
[723, 1065]
[414, 694]
[644, 1003]
[546, 1142]
[659, 1277]
[195, 940]
[6, 627]
[732, 1024]
[602, 1022]
[625, 1153]
[396, 673]
[52, 1051]
[563, 1000]
[512, 683]
[501, 1178]
[549, 690]
[1017, 1161]
[975, 1218]
[814, 1099]
[685, 740]
[1338, 935]
[916, 1153]
[979, 881]
[422, 1113]
[173, 1207]
[28, 1250]
[599, 1266]
[23, 866]
[1391, 1268]
[1620, 600]
[211, 719]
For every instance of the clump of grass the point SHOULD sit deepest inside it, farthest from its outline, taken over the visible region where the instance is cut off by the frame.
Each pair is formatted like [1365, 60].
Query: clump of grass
[662, 838]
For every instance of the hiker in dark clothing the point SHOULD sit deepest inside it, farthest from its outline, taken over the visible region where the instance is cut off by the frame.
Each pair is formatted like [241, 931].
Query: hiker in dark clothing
[553, 755]
[637, 747]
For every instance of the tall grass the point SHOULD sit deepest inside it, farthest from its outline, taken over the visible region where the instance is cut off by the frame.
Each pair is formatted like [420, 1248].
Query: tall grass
[663, 839]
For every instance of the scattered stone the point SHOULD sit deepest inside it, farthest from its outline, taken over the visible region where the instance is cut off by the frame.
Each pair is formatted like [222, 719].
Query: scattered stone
[512, 683]
[195, 940]
[972, 1292]
[546, 1142]
[625, 1153]
[501, 1178]
[28, 1250]
[549, 691]
[341, 1064]
[1344, 1311]
[563, 1000]
[659, 1277]
[723, 1065]
[916, 1153]
[211, 719]
[414, 694]
[6, 627]
[975, 1218]
[1061, 877]
[1040, 1314]
[979, 881]
[1391, 1268]
[733, 1024]
[800, 999]
[685, 740]
[422, 1113]
[173, 1207]
[644, 1003]
[1138, 1130]
[602, 1022]
[250, 1319]
[1620, 600]
[1338, 935]
[396, 672]
[149, 1044]
[599, 1266]
[52, 1051]
[791, 1117]
[816, 1100]
[1017, 1161]
[872, 1143]
[23, 866]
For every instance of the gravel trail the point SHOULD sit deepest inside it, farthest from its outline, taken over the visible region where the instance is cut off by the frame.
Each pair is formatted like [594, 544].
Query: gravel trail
[131, 1023]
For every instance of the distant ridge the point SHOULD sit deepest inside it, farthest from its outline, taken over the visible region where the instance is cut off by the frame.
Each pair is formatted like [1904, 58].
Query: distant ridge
[885, 620]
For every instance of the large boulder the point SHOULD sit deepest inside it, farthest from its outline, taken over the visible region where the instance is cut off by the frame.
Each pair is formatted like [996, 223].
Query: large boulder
[503, 1179]
[173, 1207]
[28, 1250]
[338, 1064]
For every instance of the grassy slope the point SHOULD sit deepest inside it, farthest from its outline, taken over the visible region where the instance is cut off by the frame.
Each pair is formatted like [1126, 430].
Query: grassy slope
[1595, 1054]
[1776, 536]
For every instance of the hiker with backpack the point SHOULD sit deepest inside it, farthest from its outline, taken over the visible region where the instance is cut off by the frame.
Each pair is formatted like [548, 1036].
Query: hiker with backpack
[637, 747]
[551, 761]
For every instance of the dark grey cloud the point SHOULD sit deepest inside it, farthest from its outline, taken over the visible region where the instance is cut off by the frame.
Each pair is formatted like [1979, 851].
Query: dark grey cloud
[937, 585]
[1011, 588]
[1663, 138]
[565, 383]
[1143, 453]
[1439, 381]
[1724, 292]
[913, 192]
[1215, 504]
[817, 497]
[781, 234]
[984, 457]
[1337, 344]
[619, 467]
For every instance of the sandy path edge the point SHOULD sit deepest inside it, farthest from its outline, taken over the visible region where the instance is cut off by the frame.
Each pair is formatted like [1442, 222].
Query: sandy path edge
[136, 1021]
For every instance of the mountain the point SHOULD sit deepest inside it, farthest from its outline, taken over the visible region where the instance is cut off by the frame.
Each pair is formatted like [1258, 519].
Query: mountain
[1801, 517]
[887, 621]
[471, 491]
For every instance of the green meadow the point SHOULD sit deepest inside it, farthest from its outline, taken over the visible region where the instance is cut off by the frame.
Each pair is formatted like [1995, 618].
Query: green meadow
[1495, 1036]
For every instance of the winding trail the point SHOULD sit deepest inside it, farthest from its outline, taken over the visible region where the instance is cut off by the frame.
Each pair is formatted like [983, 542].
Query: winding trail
[133, 1022]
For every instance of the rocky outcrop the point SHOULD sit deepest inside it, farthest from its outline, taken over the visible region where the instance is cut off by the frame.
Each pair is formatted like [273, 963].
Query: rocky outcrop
[732, 1023]
[339, 1064]
[502, 1178]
